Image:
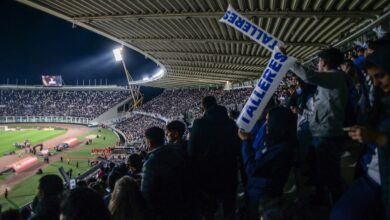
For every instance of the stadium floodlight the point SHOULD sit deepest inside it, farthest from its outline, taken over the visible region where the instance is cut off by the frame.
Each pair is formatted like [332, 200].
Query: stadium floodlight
[119, 57]
[118, 54]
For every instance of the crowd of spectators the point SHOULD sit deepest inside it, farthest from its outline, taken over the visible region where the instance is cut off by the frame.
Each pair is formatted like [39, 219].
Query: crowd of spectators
[76, 103]
[313, 116]
[178, 103]
[132, 126]
[184, 104]
[173, 104]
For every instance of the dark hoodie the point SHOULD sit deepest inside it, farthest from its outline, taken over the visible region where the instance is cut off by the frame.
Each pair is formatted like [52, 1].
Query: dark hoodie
[164, 184]
[268, 171]
[48, 209]
[214, 147]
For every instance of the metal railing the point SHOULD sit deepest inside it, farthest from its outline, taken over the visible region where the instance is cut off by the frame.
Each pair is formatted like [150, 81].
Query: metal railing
[44, 119]
[67, 87]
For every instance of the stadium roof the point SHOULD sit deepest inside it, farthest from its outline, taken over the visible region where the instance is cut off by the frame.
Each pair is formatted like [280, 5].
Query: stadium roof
[185, 37]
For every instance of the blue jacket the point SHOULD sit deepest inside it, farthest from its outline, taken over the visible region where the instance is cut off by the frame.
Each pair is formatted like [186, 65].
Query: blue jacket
[359, 62]
[258, 143]
[268, 169]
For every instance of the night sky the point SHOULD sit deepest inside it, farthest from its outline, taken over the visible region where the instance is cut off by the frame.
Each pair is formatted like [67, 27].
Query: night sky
[34, 43]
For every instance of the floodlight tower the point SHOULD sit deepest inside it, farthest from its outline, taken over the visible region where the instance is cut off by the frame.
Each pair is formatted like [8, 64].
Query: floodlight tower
[136, 95]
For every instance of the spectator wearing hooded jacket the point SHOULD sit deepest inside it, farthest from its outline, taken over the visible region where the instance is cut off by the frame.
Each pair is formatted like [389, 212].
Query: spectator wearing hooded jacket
[214, 149]
[327, 121]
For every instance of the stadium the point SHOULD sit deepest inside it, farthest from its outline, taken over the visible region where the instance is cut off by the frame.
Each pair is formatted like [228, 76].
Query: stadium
[269, 109]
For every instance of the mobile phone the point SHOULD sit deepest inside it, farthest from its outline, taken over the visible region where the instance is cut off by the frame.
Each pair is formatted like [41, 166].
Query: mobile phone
[72, 184]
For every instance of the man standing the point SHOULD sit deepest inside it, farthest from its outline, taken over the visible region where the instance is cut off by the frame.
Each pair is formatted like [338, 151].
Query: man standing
[327, 121]
[214, 148]
[369, 196]
[164, 182]
[6, 193]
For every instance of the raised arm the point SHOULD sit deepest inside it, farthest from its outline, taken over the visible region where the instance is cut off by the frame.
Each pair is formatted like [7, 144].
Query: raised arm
[326, 80]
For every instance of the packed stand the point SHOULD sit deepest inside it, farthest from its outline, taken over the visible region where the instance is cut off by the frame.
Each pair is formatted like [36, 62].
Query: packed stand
[133, 126]
[89, 104]
[175, 103]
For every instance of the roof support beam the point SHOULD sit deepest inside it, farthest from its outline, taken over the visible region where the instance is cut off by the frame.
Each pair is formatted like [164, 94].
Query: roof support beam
[265, 14]
[185, 84]
[223, 71]
[189, 53]
[208, 41]
[211, 75]
[178, 62]
[358, 33]
[174, 78]
[208, 75]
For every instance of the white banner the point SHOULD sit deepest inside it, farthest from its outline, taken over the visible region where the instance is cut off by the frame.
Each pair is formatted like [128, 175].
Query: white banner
[276, 69]
[242, 24]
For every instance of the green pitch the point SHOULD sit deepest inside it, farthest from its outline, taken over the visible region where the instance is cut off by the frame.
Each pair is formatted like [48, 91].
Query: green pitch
[9, 138]
[25, 191]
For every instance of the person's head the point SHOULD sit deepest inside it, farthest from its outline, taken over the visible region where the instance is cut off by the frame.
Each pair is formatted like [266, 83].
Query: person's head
[112, 178]
[154, 137]
[374, 45]
[83, 204]
[134, 163]
[360, 51]
[295, 80]
[329, 59]
[50, 185]
[175, 131]
[126, 200]
[351, 70]
[122, 168]
[277, 130]
[378, 67]
[346, 65]
[349, 55]
[208, 102]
